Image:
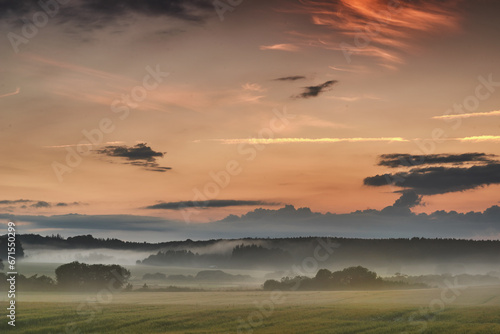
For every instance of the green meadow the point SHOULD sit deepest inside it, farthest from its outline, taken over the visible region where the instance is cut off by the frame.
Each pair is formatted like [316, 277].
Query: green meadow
[473, 310]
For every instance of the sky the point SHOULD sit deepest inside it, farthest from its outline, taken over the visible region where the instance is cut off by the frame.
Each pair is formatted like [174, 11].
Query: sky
[163, 120]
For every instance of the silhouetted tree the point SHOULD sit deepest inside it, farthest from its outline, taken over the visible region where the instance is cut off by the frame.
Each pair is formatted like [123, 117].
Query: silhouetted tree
[352, 277]
[77, 275]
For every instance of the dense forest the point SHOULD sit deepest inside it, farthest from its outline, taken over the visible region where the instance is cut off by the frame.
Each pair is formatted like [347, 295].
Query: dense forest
[280, 253]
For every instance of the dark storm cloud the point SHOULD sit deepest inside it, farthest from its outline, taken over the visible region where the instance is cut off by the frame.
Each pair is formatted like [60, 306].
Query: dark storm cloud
[407, 160]
[291, 78]
[138, 155]
[314, 91]
[440, 180]
[98, 13]
[206, 204]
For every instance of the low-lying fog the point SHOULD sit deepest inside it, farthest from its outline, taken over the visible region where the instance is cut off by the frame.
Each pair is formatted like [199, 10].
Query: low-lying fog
[129, 258]
[90, 256]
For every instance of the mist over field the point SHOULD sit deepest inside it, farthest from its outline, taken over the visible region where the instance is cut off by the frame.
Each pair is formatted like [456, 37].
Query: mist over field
[275, 257]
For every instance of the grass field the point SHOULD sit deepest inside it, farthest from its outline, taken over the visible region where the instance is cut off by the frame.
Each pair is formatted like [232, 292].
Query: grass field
[474, 310]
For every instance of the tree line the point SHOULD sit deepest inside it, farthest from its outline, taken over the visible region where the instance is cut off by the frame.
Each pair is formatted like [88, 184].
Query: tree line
[355, 278]
[74, 276]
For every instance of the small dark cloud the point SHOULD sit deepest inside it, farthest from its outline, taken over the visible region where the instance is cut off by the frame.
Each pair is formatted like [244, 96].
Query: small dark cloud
[138, 155]
[314, 91]
[291, 78]
[67, 204]
[36, 204]
[137, 152]
[9, 202]
[206, 204]
[41, 204]
[440, 180]
[406, 160]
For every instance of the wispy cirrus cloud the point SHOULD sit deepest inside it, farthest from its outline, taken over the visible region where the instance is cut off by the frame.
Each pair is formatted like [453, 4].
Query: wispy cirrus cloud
[89, 144]
[280, 47]
[353, 98]
[17, 91]
[270, 141]
[470, 115]
[311, 121]
[483, 138]
[253, 87]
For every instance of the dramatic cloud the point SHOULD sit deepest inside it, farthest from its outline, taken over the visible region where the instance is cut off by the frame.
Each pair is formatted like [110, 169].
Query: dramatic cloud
[100, 13]
[313, 91]
[138, 155]
[291, 78]
[381, 29]
[206, 204]
[407, 160]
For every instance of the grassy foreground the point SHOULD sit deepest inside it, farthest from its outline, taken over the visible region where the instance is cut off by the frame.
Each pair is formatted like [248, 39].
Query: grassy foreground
[45, 318]
[477, 310]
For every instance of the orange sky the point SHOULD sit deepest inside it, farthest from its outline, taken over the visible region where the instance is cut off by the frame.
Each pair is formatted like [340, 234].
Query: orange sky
[357, 79]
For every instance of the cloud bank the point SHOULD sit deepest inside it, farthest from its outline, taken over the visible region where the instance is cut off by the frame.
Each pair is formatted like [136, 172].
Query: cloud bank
[392, 221]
